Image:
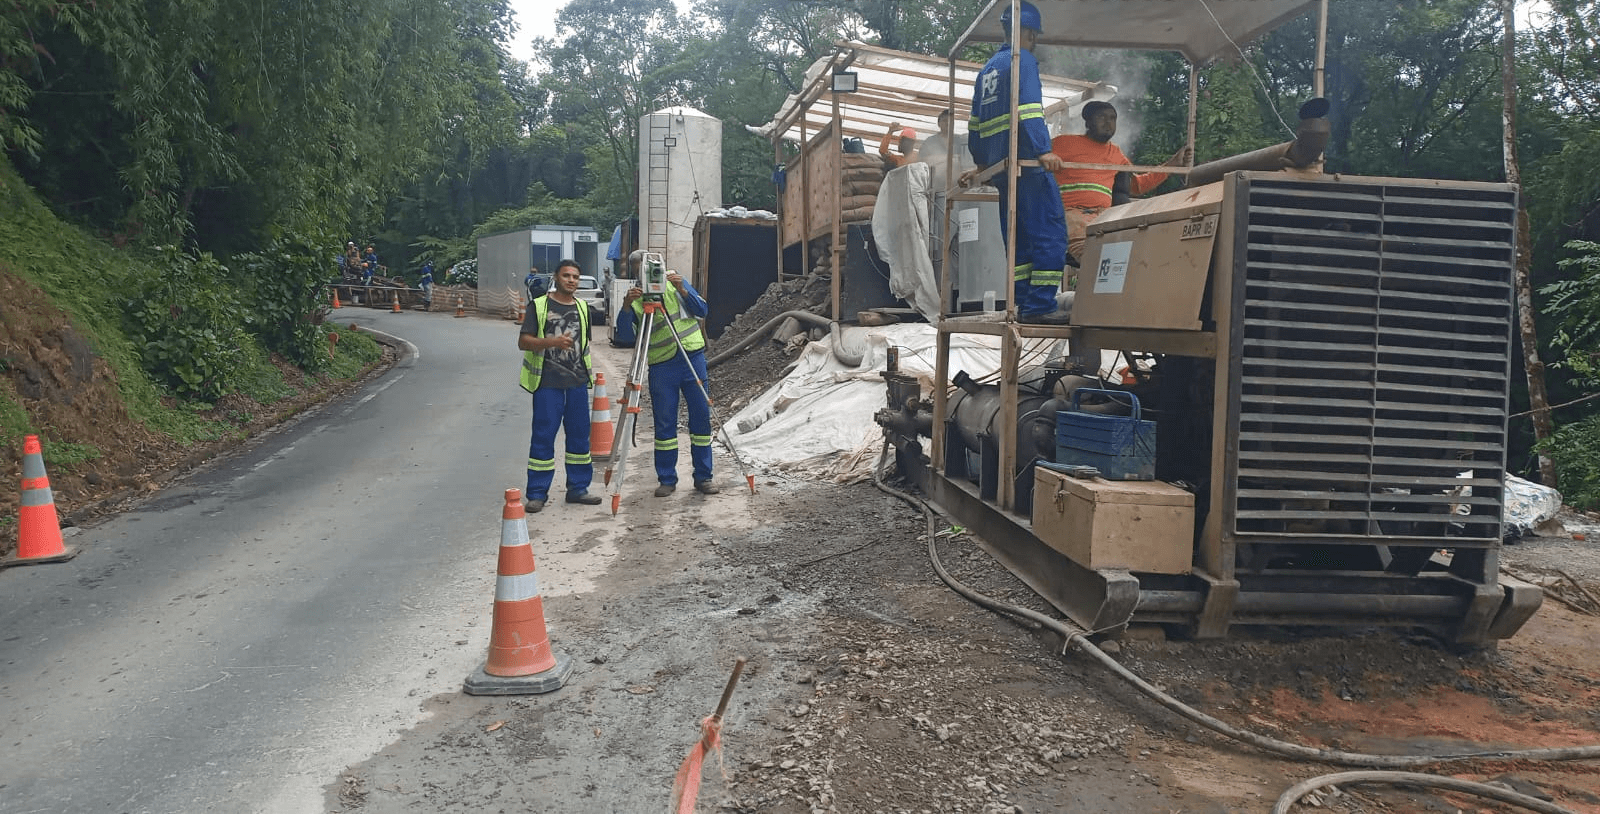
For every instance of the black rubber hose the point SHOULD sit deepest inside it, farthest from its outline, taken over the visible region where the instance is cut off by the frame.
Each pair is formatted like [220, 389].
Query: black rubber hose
[1075, 637]
[761, 333]
[1293, 795]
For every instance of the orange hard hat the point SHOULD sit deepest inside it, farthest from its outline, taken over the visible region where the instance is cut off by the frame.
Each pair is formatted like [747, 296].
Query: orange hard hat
[908, 133]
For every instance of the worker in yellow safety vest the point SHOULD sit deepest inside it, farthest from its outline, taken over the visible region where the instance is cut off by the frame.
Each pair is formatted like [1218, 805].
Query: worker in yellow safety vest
[558, 370]
[673, 372]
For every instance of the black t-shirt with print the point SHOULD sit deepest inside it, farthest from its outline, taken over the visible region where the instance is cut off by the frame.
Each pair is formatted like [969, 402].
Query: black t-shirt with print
[562, 368]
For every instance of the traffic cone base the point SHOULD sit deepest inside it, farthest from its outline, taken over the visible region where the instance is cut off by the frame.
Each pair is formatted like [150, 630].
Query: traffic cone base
[520, 660]
[67, 553]
[481, 683]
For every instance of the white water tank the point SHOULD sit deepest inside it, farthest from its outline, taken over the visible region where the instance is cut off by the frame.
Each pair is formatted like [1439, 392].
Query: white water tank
[680, 178]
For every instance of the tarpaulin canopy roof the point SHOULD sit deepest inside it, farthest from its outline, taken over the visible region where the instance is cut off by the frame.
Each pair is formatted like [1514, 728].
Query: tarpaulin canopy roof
[896, 86]
[1201, 30]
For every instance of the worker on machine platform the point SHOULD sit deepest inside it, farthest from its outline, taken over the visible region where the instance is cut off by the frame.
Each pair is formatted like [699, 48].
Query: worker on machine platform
[1041, 245]
[1085, 193]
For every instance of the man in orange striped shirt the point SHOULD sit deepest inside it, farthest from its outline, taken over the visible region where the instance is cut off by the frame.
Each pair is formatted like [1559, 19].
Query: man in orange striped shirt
[1086, 193]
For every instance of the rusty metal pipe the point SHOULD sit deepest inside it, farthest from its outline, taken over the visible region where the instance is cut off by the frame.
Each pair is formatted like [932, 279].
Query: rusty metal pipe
[1310, 139]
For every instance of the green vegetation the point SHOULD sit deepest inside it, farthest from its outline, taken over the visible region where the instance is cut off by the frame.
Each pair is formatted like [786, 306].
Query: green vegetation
[172, 326]
[257, 139]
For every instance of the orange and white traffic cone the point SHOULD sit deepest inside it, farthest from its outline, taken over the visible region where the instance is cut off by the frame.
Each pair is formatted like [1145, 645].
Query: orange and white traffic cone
[601, 433]
[38, 528]
[460, 312]
[520, 661]
[336, 299]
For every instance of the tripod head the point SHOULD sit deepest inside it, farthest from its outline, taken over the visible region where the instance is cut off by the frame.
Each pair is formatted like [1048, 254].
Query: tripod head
[653, 277]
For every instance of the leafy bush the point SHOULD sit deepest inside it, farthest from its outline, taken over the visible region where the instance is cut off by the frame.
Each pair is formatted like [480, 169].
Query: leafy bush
[288, 298]
[1574, 302]
[1575, 448]
[463, 273]
[187, 320]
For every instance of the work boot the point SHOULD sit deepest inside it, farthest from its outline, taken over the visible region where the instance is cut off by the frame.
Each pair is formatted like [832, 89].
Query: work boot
[666, 489]
[583, 496]
[706, 487]
[535, 505]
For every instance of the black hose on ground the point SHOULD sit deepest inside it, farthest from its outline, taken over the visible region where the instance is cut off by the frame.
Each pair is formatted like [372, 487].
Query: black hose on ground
[761, 333]
[1299, 790]
[1075, 637]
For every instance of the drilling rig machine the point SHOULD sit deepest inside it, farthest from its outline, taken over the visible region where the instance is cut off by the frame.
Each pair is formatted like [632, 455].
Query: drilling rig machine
[1323, 361]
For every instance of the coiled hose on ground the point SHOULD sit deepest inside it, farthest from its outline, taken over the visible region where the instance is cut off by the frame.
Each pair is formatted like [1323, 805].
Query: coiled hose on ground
[1074, 636]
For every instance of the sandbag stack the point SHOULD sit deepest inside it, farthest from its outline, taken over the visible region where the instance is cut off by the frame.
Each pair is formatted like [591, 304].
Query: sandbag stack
[863, 174]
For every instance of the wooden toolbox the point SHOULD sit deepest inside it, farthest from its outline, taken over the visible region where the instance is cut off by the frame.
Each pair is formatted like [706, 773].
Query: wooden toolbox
[1134, 525]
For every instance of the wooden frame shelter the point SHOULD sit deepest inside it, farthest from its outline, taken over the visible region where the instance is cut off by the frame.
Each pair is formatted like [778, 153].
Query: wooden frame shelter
[892, 86]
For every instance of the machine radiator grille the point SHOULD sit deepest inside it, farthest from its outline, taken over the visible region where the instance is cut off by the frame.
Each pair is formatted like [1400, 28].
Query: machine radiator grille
[1377, 331]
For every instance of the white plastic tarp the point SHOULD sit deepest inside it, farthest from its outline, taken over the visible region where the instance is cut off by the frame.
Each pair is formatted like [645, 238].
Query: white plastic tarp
[817, 422]
[1527, 504]
[900, 230]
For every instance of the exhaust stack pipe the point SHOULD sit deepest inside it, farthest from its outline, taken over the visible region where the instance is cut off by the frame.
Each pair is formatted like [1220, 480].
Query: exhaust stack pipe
[1310, 139]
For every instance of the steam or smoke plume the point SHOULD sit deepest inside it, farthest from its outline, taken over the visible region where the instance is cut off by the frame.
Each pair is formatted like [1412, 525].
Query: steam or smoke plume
[1126, 72]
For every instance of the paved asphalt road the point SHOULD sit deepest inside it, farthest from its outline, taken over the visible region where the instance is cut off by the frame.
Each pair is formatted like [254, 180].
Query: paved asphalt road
[238, 640]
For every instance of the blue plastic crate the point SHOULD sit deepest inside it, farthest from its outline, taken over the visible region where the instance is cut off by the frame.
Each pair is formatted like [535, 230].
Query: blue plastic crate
[1121, 447]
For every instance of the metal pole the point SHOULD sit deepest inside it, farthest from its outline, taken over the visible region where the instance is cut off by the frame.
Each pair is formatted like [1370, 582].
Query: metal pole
[805, 197]
[838, 209]
[1317, 85]
[1194, 102]
[1013, 170]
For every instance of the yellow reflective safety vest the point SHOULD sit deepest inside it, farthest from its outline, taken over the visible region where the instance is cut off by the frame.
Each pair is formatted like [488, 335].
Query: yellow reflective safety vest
[533, 360]
[678, 321]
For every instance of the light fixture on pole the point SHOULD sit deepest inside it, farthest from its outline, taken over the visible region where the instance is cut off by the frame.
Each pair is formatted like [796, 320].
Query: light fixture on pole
[844, 81]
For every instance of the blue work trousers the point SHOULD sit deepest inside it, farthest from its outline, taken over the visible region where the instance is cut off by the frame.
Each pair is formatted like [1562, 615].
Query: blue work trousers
[667, 380]
[1041, 241]
[555, 408]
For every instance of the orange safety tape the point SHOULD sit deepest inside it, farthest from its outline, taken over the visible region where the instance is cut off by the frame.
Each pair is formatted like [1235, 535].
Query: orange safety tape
[686, 785]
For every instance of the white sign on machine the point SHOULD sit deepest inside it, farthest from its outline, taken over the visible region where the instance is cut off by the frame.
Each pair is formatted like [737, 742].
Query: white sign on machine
[968, 225]
[1112, 272]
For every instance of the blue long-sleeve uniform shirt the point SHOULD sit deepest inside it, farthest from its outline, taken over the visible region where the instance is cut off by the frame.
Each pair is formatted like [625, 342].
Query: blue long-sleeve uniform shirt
[624, 329]
[988, 138]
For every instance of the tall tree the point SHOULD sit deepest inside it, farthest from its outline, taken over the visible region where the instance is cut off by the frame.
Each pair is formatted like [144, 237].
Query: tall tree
[1412, 85]
[610, 68]
[1543, 427]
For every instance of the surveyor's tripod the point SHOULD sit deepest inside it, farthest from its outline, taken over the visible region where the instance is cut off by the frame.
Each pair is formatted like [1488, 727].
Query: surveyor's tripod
[633, 395]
